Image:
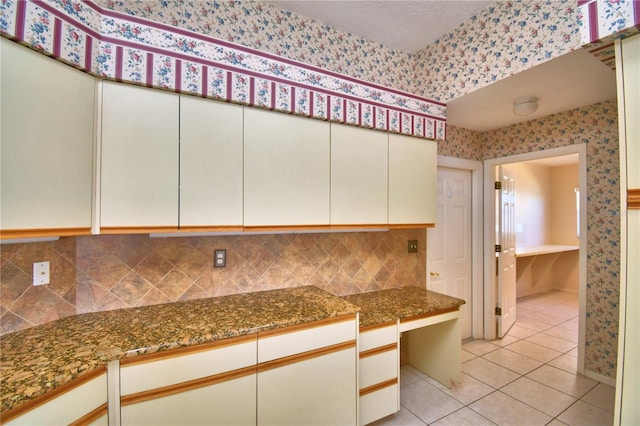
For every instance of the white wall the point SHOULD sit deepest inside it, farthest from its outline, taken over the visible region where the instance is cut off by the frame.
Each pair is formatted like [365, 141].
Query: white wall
[564, 214]
[533, 209]
[546, 213]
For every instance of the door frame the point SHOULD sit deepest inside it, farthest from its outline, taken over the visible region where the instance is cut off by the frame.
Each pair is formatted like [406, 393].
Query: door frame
[477, 217]
[489, 242]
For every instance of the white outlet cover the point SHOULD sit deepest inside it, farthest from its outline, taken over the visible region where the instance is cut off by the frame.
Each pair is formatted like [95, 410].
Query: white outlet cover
[40, 273]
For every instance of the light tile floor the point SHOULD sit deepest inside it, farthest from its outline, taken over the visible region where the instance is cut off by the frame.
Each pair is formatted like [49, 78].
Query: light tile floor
[527, 378]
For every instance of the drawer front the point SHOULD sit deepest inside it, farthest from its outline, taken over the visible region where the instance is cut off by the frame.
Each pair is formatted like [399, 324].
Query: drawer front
[423, 321]
[379, 336]
[228, 403]
[378, 368]
[68, 407]
[379, 404]
[294, 340]
[142, 376]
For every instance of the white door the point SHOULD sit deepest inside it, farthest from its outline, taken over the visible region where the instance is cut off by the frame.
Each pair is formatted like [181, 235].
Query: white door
[450, 242]
[506, 252]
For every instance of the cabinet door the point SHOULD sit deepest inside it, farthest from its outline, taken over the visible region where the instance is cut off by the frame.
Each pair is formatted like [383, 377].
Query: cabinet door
[315, 391]
[211, 150]
[359, 176]
[307, 374]
[83, 401]
[412, 181]
[286, 170]
[213, 385]
[46, 145]
[139, 183]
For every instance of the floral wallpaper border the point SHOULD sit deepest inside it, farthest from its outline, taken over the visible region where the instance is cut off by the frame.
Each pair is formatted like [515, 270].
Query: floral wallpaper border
[117, 46]
[598, 19]
[601, 22]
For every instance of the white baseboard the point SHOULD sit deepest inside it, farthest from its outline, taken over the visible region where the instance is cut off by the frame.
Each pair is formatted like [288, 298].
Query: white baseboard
[601, 378]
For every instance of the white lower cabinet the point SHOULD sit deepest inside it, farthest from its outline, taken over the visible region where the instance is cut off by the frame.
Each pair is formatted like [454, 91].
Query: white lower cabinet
[308, 376]
[212, 384]
[300, 375]
[81, 402]
[379, 375]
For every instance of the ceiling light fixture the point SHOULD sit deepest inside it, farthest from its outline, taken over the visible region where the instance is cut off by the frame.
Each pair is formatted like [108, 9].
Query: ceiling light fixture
[525, 105]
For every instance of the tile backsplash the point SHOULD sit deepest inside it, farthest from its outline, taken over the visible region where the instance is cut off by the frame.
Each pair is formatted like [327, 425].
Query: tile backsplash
[98, 273]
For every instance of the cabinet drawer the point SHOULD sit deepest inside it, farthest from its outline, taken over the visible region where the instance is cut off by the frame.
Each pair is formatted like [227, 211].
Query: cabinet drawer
[228, 403]
[379, 404]
[421, 321]
[158, 370]
[375, 337]
[288, 341]
[378, 368]
[84, 398]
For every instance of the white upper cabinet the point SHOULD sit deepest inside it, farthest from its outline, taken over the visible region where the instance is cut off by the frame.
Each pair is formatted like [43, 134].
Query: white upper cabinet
[286, 170]
[46, 145]
[139, 180]
[412, 181]
[359, 176]
[211, 158]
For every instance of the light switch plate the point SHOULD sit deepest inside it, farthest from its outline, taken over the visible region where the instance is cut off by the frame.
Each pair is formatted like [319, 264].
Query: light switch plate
[40, 273]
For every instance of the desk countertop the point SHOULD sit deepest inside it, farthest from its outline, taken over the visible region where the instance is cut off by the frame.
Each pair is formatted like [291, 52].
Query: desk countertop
[382, 306]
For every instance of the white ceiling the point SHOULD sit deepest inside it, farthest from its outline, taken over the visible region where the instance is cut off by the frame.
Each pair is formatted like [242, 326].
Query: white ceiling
[408, 26]
[571, 81]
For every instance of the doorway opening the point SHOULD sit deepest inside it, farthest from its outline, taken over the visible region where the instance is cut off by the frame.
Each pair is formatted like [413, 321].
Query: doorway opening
[535, 249]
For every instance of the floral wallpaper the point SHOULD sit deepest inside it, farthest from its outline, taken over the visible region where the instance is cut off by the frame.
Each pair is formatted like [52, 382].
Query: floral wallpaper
[597, 127]
[498, 42]
[264, 27]
[461, 143]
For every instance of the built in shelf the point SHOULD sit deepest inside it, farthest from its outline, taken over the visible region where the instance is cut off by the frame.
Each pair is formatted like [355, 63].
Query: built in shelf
[543, 249]
[529, 255]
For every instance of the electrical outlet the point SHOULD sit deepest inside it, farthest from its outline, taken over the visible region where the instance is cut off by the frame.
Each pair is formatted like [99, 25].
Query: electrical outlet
[219, 258]
[41, 273]
[412, 247]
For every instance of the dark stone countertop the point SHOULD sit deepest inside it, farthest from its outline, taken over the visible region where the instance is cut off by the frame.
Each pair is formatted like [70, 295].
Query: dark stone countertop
[42, 358]
[378, 307]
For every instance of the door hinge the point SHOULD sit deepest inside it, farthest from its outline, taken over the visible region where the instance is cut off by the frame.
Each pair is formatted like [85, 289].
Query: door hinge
[498, 248]
[497, 185]
[498, 311]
